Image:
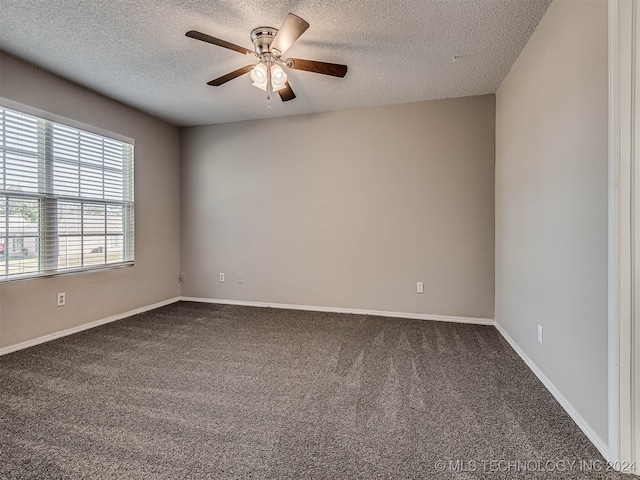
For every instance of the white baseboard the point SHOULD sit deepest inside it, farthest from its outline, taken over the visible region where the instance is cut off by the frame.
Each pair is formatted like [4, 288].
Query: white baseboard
[600, 444]
[86, 326]
[380, 313]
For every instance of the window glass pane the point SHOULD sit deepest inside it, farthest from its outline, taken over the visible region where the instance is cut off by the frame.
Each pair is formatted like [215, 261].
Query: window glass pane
[69, 252]
[113, 185]
[115, 248]
[21, 132]
[92, 183]
[3, 216]
[94, 219]
[19, 230]
[115, 219]
[66, 179]
[22, 256]
[21, 172]
[65, 143]
[113, 154]
[24, 217]
[94, 250]
[91, 149]
[69, 218]
[3, 236]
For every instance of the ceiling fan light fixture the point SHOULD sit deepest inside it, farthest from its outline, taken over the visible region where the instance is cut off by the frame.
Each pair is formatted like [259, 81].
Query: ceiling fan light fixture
[278, 77]
[259, 76]
[270, 44]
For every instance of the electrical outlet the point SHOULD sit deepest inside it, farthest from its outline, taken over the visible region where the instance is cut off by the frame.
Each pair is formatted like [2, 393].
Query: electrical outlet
[420, 287]
[239, 278]
[182, 276]
[539, 334]
[222, 277]
[61, 299]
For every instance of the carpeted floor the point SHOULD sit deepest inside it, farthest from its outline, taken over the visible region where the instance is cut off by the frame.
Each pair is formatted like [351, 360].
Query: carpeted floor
[210, 391]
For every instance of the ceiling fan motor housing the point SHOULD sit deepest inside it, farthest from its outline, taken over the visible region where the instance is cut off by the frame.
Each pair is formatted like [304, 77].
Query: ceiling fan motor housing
[262, 38]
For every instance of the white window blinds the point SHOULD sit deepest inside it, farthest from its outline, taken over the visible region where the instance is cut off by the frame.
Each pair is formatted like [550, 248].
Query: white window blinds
[66, 198]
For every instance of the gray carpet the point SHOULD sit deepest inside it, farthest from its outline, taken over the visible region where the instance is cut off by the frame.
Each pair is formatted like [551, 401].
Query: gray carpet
[209, 391]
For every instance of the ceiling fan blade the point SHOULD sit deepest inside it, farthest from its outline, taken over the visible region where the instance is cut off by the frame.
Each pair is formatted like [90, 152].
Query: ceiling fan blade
[216, 41]
[334, 69]
[230, 76]
[286, 93]
[291, 29]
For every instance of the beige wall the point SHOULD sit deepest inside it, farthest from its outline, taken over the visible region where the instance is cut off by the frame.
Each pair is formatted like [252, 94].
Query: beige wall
[345, 209]
[28, 308]
[551, 204]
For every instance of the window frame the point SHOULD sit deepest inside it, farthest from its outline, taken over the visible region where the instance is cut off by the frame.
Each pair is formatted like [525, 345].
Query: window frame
[48, 202]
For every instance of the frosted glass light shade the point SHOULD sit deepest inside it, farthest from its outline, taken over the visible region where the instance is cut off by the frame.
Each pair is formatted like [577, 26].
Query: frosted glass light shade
[278, 77]
[259, 76]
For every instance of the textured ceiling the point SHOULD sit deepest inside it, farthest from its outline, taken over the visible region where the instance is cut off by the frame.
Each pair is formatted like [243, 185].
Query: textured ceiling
[135, 51]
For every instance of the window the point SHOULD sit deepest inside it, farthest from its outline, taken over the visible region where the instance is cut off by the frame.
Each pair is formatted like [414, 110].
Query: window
[66, 198]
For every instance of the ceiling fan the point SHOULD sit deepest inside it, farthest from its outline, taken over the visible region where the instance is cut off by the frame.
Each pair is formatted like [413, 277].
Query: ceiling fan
[270, 44]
